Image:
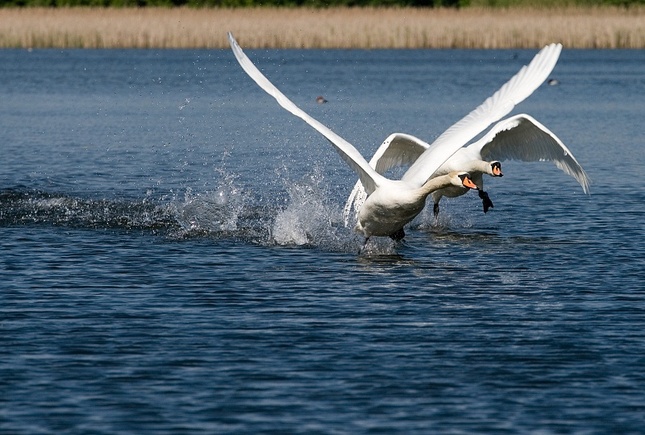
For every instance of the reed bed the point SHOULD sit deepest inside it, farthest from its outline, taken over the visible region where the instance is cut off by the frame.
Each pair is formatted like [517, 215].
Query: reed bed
[575, 27]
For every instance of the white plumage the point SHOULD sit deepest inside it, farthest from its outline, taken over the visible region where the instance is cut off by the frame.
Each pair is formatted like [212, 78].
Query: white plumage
[391, 204]
[519, 137]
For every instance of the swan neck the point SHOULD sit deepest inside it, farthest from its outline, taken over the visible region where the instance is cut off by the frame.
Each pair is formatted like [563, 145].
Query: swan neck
[482, 166]
[435, 184]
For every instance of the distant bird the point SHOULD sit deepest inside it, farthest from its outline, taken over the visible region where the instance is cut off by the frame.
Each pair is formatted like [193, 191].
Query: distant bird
[320, 99]
[391, 204]
[553, 82]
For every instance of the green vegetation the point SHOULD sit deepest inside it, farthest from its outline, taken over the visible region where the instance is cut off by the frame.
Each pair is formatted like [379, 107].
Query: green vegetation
[551, 3]
[228, 3]
[318, 3]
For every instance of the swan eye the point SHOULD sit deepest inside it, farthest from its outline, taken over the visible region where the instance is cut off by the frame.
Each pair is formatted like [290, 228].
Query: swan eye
[496, 168]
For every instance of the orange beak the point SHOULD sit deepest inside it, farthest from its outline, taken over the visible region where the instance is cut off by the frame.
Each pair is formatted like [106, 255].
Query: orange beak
[467, 182]
[497, 171]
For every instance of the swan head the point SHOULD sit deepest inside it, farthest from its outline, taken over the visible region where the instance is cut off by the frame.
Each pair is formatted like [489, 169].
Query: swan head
[462, 179]
[496, 169]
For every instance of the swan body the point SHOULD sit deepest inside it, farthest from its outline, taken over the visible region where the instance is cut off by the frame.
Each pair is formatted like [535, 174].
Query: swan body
[391, 204]
[389, 208]
[519, 137]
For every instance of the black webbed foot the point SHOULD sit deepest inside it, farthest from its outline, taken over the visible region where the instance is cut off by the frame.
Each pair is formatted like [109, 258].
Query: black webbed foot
[486, 201]
[435, 210]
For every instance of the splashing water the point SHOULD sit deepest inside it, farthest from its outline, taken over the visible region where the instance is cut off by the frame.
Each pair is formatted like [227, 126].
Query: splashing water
[311, 217]
[29, 207]
[213, 211]
[207, 212]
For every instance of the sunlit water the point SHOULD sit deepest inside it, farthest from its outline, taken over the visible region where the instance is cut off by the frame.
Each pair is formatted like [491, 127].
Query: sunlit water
[174, 258]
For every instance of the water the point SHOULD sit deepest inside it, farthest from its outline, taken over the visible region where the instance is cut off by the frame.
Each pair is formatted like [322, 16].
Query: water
[174, 259]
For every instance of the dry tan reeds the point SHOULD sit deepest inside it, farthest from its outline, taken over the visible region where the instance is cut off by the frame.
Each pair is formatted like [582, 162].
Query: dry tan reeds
[605, 27]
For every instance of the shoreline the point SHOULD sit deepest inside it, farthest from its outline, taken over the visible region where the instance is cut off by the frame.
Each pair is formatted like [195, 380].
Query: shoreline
[363, 28]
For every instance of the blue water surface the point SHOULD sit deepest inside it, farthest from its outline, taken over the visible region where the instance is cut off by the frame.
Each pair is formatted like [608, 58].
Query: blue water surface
[174, 258]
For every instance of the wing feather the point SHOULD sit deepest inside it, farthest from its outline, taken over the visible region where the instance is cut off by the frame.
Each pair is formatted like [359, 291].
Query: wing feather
[513, 92]
[368, 176]
[521, 137]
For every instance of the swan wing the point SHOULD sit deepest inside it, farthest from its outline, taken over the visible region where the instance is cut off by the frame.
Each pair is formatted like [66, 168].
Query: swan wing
[521, 137]
[513, 92]
[398, 149]
[368, 176]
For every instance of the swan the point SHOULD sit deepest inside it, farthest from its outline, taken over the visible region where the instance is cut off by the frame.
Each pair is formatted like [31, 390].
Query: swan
[387, 210]
[391, 204]
[520, 137]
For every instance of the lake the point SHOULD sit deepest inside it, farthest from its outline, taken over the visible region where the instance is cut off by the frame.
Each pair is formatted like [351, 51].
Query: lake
[174, 257]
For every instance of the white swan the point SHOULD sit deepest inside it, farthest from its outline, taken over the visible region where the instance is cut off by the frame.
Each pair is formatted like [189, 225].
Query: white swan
[390, 207]
[391, 204]
[519, 137]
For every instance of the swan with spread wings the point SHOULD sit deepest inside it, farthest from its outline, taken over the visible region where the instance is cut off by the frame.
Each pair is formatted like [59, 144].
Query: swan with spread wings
[391, 204]
[519, 137]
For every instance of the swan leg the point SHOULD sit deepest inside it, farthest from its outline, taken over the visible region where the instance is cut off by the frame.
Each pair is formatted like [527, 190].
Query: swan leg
[435, 210]
[486, 201]
[398, 235]
[436, 197]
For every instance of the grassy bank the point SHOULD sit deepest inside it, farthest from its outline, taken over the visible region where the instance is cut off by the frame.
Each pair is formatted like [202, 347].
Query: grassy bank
[575, 27]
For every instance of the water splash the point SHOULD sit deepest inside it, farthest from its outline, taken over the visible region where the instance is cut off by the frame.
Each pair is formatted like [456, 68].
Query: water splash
[212, 211]
[311, 217]
[33, 207]
[225, 211]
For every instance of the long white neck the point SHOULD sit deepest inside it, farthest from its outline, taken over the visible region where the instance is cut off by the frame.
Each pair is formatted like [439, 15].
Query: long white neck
[480, 166]
[435, 184]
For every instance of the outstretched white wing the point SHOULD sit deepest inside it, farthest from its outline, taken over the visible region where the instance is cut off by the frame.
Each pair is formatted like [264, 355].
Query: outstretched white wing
[513, 92]
[521, 137]
[399, 149]
[368, 176]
